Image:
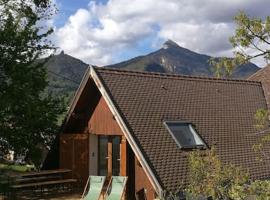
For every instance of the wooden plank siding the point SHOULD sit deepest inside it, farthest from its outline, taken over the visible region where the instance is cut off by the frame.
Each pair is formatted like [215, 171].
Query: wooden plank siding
[102, 121]
[142, 182]
[74, 148]
[83, 110]
[74, 155]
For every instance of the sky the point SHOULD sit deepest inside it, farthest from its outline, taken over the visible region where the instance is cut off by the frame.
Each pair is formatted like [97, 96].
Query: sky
[103, 32]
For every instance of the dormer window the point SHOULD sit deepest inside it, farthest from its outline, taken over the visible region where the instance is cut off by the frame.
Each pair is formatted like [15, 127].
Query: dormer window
[184, 134]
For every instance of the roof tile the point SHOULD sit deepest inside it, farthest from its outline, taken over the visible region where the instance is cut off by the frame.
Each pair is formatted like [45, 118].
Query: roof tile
[222, 111]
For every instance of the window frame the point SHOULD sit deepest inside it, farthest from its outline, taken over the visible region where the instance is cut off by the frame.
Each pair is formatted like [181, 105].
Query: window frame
[192, 130]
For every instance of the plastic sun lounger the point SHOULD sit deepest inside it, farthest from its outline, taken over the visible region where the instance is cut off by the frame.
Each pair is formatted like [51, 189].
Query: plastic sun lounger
[116, 188]
[96, 184]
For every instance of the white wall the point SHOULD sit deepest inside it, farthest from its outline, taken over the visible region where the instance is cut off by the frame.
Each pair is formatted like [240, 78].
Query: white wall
[93, 154]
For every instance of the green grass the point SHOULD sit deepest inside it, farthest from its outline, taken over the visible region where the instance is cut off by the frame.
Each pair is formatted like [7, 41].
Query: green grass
[15, 168]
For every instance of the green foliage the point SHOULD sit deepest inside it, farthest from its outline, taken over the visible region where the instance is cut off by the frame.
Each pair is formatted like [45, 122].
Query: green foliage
[28, 116]
[261, 119]
[260, 189]
[223, 67]
[251, 33]
[262, 125]
[209, 177]
[4, 168]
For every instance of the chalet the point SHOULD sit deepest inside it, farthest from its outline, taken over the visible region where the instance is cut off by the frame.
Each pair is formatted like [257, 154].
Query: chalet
[143, 125]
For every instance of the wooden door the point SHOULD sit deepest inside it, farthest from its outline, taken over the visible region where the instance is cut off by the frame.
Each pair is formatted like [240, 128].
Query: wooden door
[109, 156]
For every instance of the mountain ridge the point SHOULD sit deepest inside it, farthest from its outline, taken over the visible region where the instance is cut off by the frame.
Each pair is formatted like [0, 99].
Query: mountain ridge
[65, 72]
[172, 58]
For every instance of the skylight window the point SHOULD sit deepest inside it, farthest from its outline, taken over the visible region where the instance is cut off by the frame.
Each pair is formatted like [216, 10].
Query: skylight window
[184, 134]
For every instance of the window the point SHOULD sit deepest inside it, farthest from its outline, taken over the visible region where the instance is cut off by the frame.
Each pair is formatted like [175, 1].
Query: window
[184, 134]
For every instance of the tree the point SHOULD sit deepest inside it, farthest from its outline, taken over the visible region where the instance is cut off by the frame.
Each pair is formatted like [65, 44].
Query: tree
[250, 40]
[28, 114]
[209, 177]
[262, 126]
[251, 33]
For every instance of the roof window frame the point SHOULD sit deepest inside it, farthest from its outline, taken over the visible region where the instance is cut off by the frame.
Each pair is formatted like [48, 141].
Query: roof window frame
[193, 131]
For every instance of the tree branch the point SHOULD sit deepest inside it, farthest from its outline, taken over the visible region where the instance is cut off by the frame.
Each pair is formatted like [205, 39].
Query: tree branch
[256, 47]
[261, 54]
[258, 36]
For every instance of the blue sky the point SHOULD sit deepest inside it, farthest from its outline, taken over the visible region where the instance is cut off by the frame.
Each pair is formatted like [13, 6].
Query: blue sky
[103, 32]
[68, 8]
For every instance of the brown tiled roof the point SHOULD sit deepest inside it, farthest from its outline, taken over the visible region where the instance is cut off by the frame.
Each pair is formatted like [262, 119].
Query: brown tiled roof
[263, 75]
[222, 111]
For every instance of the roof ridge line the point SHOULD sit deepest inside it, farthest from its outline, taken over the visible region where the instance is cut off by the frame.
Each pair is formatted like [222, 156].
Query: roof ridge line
[170, 75]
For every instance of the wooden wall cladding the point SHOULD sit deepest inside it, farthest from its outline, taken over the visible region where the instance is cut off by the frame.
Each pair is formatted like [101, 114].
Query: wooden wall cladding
[142, 184]
[102, 121]
[84, 108]
[74, 155]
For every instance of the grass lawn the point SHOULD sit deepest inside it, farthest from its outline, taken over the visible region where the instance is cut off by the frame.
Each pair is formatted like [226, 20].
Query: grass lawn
[16, 168]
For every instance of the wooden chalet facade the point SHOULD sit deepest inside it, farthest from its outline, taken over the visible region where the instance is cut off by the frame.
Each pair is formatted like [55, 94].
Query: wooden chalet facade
[118, 124]
[97, 144]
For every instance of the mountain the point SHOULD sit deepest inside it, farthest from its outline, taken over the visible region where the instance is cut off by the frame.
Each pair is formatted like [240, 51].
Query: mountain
[172, 58]
[65, 72]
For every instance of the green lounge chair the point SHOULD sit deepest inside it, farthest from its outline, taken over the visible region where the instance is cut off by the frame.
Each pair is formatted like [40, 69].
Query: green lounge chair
[96, 184]
[116, 188]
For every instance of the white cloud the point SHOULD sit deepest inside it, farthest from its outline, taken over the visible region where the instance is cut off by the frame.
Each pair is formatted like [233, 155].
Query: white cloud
[96, 34]
[205, 38]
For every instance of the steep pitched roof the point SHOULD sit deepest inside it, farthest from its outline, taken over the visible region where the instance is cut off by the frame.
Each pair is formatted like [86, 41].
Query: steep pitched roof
[222, 111]
[263, 75]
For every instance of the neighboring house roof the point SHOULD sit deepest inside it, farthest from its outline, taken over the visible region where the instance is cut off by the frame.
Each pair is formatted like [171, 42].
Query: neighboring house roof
[263, 75]
[222, 111]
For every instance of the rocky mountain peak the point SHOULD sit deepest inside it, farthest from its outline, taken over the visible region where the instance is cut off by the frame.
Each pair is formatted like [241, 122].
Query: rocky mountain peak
[170, 44]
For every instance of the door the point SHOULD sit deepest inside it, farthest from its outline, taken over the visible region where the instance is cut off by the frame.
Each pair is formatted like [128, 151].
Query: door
[109, 155]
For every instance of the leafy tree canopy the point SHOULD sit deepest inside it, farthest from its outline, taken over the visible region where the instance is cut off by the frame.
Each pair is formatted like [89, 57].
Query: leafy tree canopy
[250, 40]
[28, 115]
[262, 126]
[209, 177]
